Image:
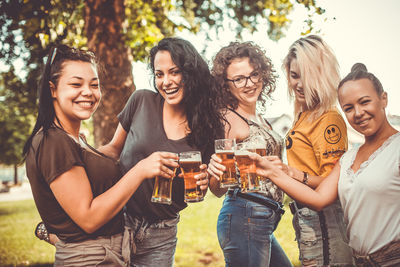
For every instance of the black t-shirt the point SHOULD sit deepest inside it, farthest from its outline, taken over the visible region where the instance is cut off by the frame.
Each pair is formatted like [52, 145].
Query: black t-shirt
[54, 154]
[142, 120]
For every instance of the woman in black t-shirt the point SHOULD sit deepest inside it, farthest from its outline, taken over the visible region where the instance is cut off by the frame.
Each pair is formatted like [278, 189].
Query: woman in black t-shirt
[78, 191]
[182, 115]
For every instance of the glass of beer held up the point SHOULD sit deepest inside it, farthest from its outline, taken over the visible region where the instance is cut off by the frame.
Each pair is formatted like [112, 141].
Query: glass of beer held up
[190, 162]
[225, 150]
[261, 149]
[260, 145]
[249, 181]
[162, 189]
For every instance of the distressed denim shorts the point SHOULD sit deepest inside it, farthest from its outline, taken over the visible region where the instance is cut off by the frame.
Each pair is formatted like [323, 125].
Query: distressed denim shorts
[152, 244]
[321, 236]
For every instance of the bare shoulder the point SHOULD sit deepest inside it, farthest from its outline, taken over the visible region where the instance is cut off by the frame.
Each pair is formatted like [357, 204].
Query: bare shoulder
[236, 126]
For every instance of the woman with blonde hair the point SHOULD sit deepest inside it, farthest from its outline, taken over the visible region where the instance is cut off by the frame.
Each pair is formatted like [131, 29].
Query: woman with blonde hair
[315, 142]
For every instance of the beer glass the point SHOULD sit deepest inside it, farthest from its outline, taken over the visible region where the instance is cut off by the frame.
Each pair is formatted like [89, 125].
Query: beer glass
[249, 181]
[162, 189]
[224, 148]
[190, 162]
[260, 145]
[261, 149]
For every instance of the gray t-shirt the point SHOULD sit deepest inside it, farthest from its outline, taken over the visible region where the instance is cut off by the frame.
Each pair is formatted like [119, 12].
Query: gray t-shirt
[142, 120]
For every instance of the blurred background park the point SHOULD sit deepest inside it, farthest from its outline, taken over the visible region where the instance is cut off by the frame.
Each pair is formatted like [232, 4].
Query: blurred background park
[121, 33]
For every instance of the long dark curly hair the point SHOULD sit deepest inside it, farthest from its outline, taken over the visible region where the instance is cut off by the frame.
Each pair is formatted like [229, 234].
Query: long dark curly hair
[201, 99]
[258, 60]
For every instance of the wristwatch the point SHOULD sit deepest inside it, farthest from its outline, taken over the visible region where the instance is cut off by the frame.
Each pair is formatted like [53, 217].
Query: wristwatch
[305, 178]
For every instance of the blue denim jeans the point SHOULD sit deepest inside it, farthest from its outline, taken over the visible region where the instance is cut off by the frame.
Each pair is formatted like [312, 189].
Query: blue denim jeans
[321, 237]
[153, 243]
[245, 233]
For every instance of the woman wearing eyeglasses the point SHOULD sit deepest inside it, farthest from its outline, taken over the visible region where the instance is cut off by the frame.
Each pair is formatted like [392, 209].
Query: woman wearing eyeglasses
[247, 220]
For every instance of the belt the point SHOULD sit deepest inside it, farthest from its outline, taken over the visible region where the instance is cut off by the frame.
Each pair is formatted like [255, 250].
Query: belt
[364, 260]
[375, 258]
[275, 206]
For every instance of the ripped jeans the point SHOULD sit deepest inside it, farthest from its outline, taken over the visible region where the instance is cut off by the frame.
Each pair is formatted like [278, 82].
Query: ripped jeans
[321, 236]
[152, 244]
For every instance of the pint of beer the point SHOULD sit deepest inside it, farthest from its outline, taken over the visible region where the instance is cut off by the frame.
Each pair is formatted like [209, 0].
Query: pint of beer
[162, 189]
[189, 163]
[249, 181]
[224, 148]
[261, 149]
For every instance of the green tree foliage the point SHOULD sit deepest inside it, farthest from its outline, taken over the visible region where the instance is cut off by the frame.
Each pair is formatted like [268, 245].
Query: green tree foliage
[119, 32]
[15, 119]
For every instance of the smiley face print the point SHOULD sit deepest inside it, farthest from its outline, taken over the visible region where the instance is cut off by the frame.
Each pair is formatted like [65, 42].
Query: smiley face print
[332, 134]
[289, 140]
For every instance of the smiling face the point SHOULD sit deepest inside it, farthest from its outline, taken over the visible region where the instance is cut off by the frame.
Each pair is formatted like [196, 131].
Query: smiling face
[296, 84]
[248, 94]
[168, 78]
[77, 94]
[332, 134]
[363, 107]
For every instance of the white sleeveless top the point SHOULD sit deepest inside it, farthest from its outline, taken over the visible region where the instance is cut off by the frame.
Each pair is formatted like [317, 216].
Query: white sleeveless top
[370, 197]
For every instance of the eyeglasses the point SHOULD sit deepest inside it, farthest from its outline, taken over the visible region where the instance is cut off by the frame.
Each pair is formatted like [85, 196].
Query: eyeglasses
[241, 81]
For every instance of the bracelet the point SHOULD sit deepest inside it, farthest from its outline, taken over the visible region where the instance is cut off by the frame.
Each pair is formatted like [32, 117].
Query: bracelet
[305, 178]
[41, 232]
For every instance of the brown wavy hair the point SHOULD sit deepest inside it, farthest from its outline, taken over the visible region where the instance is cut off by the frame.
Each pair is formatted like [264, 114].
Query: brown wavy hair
[257, 59]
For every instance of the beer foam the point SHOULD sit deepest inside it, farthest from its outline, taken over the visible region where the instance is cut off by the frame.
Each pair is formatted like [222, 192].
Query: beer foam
[242, 152]
[224, 151]
[194, 157]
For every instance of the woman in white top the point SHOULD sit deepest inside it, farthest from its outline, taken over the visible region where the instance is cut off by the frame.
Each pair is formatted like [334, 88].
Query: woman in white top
[367, 178]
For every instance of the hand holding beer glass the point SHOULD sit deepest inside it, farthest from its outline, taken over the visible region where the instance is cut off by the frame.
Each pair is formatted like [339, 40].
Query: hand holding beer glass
[162, 189]
[224, 149]
[190, 163]
[248, 177]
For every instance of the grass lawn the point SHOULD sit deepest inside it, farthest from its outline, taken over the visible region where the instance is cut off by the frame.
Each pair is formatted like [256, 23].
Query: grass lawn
[197, 236]
[18, 244]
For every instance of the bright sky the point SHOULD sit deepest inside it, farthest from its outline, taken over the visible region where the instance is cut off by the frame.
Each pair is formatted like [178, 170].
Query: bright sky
[364, 31]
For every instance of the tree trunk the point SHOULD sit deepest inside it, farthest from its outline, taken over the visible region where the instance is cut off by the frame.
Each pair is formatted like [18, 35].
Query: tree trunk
[104, 30]
[15, 174]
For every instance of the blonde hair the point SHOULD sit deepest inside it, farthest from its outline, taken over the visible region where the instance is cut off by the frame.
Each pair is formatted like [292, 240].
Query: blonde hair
[319, 73]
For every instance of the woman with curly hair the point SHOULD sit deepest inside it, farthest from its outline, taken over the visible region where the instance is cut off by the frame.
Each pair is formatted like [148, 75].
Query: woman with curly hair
[247, 220]
[182, 115]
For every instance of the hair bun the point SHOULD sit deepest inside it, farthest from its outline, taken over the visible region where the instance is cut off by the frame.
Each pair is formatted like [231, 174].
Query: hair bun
[359, 67]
